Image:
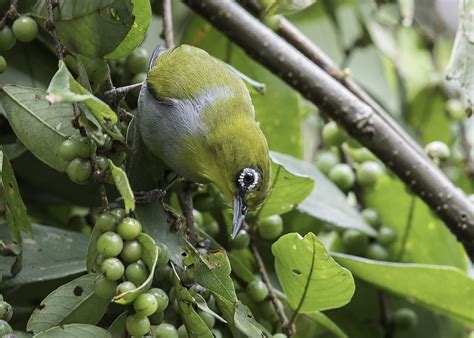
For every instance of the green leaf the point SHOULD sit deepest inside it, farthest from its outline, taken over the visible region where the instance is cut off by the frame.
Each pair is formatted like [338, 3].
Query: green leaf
[287, 6]
[460, 66]
[441, 288]
[242, 263]
[117, 328]
[41, 127]
[95, 28]
[54, 253]
[142, 17]
[287, 190]
[65, 89]
[428, 240]
[73, 331]
[277, 111]
[245, 322]
[195, 326]
[16, 213]
[150, 257]
[311, 279]
[74, 302]
[123, 186]
[326, 202]
[322, 320]
[92, 252]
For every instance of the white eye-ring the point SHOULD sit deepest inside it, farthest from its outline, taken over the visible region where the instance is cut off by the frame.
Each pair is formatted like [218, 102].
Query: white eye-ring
[249, 179]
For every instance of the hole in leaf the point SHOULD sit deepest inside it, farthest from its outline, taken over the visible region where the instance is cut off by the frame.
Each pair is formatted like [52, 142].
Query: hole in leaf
[78, 291]
[296, 272]
[41, 306]
[249, 316]
[184, 254]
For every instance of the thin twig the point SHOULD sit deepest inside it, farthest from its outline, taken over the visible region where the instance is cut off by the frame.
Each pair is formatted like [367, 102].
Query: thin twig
[167, 33]
[407, 230]
[186, 202]
[287, 327]
[10, 14]
[360, 120]
[51, 28]
[466, 148]
[385, 314]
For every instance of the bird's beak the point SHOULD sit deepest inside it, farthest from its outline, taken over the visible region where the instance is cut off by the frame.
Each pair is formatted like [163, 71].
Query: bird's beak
[240, 210]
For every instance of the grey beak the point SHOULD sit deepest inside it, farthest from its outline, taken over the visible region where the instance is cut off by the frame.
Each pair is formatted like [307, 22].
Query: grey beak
[240, 211]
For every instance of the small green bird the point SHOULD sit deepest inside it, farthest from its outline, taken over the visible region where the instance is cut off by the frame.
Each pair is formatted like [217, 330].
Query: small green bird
[197, 116]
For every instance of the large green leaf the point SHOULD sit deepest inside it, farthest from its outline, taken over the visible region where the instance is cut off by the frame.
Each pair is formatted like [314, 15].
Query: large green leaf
[142, 18]
[287, 6]
[95, 28]
[54, 253]
[41, 127]
[278, 110]
[74, 302]
[442, 288]
[428, 240]
[311, 279]
[288, 189]
[326, 202]
[16, 213]
[75, 331]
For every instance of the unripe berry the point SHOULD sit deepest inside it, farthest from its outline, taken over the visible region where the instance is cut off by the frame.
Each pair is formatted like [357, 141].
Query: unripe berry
[106, 222]
[137, 61]
[25, 29]
[125, 287]
[166, 330]
[161, 298]
[5, 328]
[405, 318]
[104, 288]
[109, 244]
[137, 325]
[372, 217]
[355, 241]
[207, 318]
[3, 64]
[257, 291]
[129, 228]
[270, 228]
[132, 251]
[376, 252]
[241, 241]
[343, 176]
[332, 134]
[112, 268]
[325, 161]
[145, 304]
[386, 236]
[6, 311]
[438, 150]
[203, 202]
[79, 170]
[7, 40]
[368, 173]
[136, 273]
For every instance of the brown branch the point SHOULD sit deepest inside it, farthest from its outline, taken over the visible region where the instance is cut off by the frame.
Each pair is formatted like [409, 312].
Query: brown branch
[359, 119]
[186, 202]
[467, 147]
[10, 14]
[167, 33]
[287, 327]
[51, 28]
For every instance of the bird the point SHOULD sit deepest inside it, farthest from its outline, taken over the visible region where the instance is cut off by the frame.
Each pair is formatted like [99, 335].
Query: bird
[196, 115]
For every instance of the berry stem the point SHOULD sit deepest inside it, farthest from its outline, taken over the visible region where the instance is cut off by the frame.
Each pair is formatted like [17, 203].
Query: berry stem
[10, 14]
[287, 327]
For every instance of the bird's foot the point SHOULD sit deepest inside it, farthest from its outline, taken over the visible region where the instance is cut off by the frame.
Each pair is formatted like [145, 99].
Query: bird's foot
[145, 197]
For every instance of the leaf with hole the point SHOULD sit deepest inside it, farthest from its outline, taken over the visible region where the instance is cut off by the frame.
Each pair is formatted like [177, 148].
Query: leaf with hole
[74, 302]
[311, 279]
[75, 330]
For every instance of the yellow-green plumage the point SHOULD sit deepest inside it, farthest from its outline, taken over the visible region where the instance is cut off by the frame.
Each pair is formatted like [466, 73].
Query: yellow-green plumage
[197, 116]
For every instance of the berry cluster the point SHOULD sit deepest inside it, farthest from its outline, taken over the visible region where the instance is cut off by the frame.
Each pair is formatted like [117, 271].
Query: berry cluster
[6, 313]
[23, 29]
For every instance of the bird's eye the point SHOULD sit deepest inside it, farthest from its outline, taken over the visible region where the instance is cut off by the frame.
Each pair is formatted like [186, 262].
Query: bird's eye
[248, 179]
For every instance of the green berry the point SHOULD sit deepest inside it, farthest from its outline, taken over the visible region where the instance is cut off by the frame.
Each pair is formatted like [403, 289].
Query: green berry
[405, 318]
[145, 304]
[69, 149]
[343, 176]
[7, 39]
[129, 228]
[279, 335]
[79, 170]
[332, 134]
[112, 268]
[355, 241]
[455, 109]
[161, 298]
[211, 227]
[164, 274]
[368, 173]
[104, 287]
[325, 161]
[372, 217]
[257, 291]
[198, 218]
[5, 328]
[182, 333]
[209, 319]
[241, 241]
[106, 222]
[125, 287]
[270, 228]
[438, 150]
[107, 145]
[163, 256]
[136, 273]
[217, 333]
[156, 318]
[137, 325]
[203, 202]
[109, 244]
[267, 311]
[386, 236]
[376, 252]
[6, 311]
[362, 155]
[3, 64]
[86, 147]
[137, 61]
[119, 213]
[25, 29]
[132, 251]
[102, 162]
[166, 331]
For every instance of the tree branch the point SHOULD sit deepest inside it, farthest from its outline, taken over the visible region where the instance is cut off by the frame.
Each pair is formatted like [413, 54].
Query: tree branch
[167, 33]
[369, 128]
